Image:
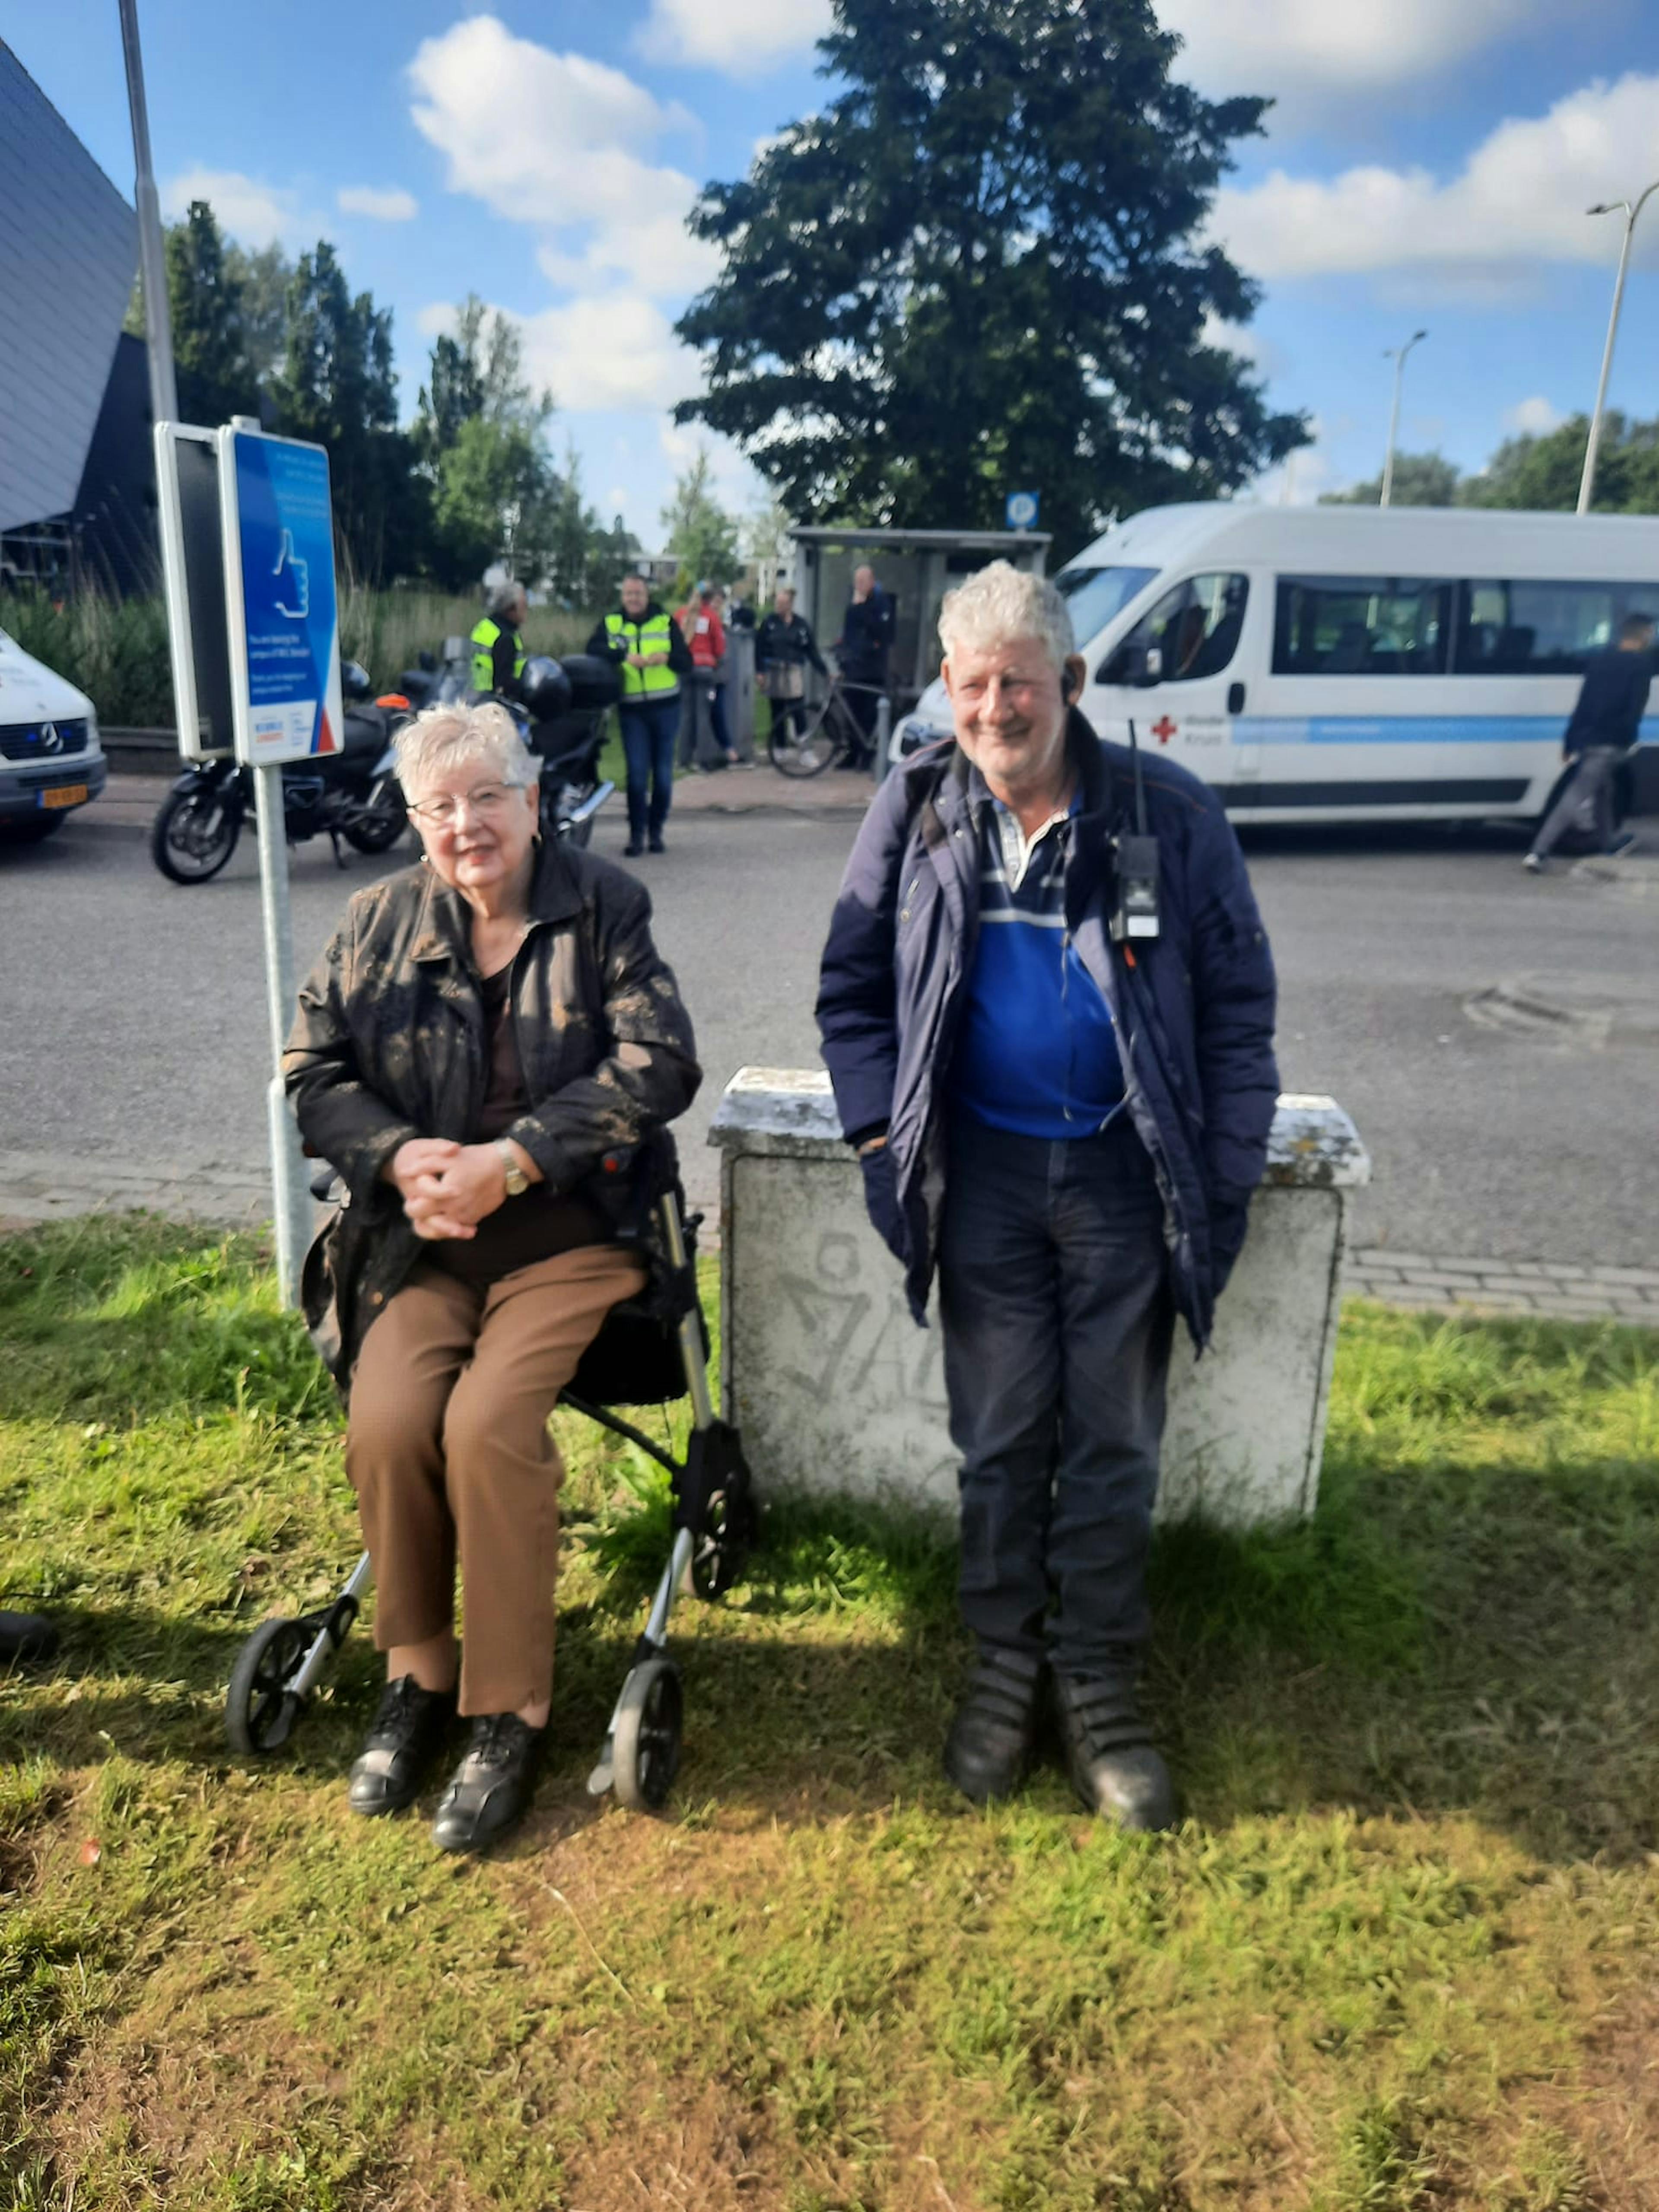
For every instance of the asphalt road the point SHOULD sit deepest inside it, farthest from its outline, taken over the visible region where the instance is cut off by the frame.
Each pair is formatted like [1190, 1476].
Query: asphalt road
[134, 1024]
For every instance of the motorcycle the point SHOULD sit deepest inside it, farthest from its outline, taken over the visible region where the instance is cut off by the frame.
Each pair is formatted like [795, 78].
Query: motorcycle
[561, 714]
[351, 794]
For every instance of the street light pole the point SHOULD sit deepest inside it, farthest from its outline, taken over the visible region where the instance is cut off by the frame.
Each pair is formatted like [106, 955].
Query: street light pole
[1397, 355]
[152, 257]
[1592, 444]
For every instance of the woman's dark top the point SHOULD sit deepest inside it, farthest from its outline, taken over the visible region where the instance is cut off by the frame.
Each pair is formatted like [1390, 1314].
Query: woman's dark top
[538, 1223]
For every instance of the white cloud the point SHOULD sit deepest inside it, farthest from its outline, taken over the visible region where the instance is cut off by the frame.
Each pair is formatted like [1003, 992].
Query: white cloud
[742, 38]
[1533, 419]
[734, 481]
[392, 205]
[562, 143]
[1519, 201]
[254, 213]
[608, 350]
[1310, 53]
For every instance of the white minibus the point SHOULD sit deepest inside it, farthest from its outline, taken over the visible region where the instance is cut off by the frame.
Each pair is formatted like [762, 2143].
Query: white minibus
[1332, 664]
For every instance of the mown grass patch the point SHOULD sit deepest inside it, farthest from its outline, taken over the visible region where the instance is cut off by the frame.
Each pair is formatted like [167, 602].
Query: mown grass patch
[1400, 1955]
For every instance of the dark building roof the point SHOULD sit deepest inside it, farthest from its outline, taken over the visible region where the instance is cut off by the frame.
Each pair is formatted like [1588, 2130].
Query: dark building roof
[69, 246]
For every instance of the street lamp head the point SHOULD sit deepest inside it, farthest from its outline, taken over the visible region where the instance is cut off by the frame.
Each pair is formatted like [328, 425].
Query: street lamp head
[1418, 334]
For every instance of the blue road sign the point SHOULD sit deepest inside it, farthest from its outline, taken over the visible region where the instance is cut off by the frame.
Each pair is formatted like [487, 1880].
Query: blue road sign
[284, 620]
[1021, 510]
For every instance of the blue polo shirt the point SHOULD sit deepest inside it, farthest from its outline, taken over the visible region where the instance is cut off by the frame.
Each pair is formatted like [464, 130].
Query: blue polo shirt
[1038, 1052]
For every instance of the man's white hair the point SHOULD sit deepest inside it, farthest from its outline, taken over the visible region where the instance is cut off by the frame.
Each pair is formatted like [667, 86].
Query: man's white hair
[446, 737]
[1001, 603]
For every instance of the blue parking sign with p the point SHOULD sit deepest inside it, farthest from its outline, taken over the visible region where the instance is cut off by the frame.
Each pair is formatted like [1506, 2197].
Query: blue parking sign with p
[284, 613]
[1021, 510]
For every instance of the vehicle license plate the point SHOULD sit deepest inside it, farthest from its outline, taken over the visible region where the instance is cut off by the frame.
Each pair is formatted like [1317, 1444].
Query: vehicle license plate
[65, 795]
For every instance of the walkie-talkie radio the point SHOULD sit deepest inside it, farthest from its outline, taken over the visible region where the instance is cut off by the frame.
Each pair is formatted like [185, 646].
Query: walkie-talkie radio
[1134, 909]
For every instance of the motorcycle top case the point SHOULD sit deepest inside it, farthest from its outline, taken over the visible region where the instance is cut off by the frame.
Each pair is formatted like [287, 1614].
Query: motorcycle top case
[594, 682]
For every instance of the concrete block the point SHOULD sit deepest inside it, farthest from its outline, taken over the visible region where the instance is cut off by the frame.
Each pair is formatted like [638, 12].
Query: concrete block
[837, 1392]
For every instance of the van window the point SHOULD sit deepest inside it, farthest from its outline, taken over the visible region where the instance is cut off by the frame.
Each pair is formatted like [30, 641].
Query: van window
[1526, 628]
[1093, 595]
[1196, 627]
[1361, 626]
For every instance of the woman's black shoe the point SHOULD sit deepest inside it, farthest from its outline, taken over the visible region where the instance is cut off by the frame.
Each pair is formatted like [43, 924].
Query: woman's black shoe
[989, 1747]
[398, 1750]
[491, 1786]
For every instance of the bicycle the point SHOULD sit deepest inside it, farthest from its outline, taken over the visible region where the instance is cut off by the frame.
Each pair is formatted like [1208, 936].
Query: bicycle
[827, 736]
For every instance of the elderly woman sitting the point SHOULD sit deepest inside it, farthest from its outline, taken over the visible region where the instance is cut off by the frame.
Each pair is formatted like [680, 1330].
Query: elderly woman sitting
[484, 1040]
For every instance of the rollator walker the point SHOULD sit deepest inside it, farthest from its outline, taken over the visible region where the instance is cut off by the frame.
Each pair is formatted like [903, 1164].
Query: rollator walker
[638, 1358]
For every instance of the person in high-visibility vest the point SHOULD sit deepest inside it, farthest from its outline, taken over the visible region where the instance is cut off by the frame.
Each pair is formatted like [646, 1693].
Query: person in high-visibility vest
[647, 645]
[498, 645]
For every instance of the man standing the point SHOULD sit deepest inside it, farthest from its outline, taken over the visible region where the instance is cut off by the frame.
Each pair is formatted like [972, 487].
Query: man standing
[1605, 724]
[865, 642]
[1067, 1122]
[784, 648]
[653, 656]
[701, 625]
[497, 642]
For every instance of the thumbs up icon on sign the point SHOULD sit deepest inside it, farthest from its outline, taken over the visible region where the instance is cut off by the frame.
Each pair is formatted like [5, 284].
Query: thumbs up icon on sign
[293, 589]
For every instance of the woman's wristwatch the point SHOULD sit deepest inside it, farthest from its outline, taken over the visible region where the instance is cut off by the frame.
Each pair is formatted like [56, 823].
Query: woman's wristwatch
[517, 1180]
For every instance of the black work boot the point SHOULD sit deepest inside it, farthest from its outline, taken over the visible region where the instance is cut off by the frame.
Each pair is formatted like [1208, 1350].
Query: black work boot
[491, 1786]
[386, 1773]
[989, 1747]
[1115, 1766]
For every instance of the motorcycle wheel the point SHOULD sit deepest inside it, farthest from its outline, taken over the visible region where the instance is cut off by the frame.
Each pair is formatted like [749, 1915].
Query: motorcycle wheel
[193, 835]
[390, 820]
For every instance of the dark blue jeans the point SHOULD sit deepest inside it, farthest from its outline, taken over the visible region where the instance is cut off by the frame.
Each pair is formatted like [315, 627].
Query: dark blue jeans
[1054, 1293]
[647, 736]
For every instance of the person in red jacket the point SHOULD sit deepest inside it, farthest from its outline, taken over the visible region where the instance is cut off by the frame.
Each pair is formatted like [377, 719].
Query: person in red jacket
[705, 632]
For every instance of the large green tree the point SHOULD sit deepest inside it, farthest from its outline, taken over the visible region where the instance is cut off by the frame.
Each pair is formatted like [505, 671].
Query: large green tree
[979, 269]
[699, 528]
[337, 388]
[1419, 480]
[214, 375]
[1544, 471]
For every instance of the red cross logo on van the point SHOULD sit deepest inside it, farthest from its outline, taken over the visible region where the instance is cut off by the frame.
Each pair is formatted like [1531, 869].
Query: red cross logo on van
[1164, 729]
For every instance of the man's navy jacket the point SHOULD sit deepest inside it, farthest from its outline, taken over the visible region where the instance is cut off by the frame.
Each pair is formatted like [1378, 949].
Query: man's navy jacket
[1194, 1007]
[1611, 700]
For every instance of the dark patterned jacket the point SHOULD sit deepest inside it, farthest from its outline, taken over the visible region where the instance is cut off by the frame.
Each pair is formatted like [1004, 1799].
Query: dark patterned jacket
[389, 1043]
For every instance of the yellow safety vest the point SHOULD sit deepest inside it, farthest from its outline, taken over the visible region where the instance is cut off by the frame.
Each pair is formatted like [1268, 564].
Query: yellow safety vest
[657, 682]
[485, 636]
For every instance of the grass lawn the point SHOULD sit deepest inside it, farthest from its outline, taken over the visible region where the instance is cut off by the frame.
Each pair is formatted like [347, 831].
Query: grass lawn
[1401, 1955]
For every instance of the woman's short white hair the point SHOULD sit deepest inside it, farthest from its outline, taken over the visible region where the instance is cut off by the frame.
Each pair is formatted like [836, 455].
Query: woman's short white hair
[1001, 603]
[446, 737]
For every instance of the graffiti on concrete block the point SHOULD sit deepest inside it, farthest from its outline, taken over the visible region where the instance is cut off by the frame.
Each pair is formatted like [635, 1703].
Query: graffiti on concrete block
[844, 1330]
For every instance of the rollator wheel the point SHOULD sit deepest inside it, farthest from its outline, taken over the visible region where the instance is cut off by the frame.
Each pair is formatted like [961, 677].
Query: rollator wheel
[645, 1746]
[260, 1709]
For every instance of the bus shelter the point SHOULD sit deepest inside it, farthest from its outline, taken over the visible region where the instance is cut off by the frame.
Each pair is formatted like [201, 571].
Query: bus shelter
[917, 567]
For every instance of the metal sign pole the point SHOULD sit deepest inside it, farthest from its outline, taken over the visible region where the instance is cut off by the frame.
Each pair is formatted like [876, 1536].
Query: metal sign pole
[290, 1200]
[283, 623]
[152, 256]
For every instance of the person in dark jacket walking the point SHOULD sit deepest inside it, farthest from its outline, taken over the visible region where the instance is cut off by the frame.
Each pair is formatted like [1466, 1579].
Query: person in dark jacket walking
[649, 647]
[864, 646]
[785, 648]
[1065, 1125]
[488, 1053]
[1606, 723]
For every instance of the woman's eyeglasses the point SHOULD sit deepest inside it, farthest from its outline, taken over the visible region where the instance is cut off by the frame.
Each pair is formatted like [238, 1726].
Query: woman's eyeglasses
[489, 801]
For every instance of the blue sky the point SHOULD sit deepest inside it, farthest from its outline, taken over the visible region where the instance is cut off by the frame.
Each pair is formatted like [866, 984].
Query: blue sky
[1428, 164]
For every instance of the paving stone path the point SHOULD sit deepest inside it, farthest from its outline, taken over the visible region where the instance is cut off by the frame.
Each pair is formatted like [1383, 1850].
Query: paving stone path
[36, 1187]
[1540, 1286]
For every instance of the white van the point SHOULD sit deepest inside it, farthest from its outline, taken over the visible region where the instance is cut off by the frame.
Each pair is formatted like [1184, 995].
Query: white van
[1332, 663]
[51, 761]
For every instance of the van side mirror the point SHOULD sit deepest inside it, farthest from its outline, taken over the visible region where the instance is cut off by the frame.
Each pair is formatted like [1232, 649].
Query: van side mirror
[1133, 667]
